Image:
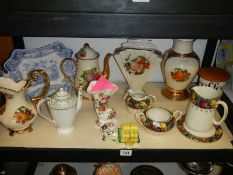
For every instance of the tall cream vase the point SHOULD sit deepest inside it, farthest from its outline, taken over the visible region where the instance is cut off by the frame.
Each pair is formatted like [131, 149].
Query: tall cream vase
[179, 67]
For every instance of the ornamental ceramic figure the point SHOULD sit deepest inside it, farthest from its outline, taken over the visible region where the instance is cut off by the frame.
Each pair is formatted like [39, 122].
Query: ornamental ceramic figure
[101, 91]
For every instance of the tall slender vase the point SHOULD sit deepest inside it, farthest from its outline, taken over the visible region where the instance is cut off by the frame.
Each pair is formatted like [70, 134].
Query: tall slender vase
[179, 66]
[101, 91]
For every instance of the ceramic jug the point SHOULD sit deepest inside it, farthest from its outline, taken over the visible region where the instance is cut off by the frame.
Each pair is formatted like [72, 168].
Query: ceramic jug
[138, 101]
[63, 107]
[17, 114]
[87, 68]
[201, 112]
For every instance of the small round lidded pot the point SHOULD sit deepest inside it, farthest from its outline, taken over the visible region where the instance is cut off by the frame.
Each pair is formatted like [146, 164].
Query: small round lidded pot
[213, 77]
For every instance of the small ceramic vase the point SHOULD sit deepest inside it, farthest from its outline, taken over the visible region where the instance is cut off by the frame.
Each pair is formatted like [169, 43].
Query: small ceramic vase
[213, 77]
[158, 119]
[201, 111]
[138, 101]
[179, 67]
[63, 107]
[101, 91]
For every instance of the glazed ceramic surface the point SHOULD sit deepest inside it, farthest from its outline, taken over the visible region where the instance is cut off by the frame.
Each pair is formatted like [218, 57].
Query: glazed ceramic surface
[63, 107]
[137, 63]
[204, 139]
[101, 91]
[213, 77]
[87, 66]
[179, 67]
[137, 101]
[201, 111]
[18, 114]
[158, 119]
[47, 58]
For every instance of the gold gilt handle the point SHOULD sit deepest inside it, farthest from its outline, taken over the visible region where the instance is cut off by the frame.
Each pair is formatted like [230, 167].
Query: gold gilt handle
[63, 72]
[32, 77]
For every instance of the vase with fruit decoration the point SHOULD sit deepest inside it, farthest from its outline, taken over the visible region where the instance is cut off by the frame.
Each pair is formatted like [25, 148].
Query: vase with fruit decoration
[179, 67]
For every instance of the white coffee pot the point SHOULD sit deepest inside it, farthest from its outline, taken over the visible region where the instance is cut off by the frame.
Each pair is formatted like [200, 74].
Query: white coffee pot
[63, 107]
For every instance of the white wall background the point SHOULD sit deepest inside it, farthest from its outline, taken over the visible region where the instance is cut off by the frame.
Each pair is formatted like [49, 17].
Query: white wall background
[108, 45]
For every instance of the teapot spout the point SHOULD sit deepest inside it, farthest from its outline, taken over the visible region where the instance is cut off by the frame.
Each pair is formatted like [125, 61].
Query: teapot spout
[79, 103]
[106, 70]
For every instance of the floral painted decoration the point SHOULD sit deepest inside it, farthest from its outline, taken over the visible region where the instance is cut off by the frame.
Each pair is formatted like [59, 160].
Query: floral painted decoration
[137, 66]
[180, 75]
[88, 76]
[23, 115]
[218, 133]
[203, 103]
[143, 104]
[157, 126]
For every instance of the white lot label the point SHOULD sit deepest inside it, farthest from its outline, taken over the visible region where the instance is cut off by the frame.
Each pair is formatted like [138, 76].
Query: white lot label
[125, 152]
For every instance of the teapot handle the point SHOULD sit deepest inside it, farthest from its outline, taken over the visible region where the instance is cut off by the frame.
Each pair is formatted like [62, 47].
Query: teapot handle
[39, 110]
[63, 72]
[33, 76]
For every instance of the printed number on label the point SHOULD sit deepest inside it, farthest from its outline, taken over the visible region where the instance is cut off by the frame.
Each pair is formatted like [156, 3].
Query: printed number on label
[125, 152]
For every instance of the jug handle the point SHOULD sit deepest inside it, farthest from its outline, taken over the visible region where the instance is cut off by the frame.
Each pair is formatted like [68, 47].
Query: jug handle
[33, 75]
[63, 72]
[225, 112]
[39, 110]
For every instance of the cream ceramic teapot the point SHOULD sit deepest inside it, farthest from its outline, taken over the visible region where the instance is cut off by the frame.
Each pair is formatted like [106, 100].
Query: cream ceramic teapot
[16, 113]
[63, 107]
[87, 68]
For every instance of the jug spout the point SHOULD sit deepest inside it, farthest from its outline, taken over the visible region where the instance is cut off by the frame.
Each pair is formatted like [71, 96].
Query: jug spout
[79, 103]
[106, 70]
[8, 86]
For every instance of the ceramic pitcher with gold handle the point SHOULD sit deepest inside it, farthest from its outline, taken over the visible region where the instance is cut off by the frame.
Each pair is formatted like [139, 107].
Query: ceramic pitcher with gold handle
[16, 113]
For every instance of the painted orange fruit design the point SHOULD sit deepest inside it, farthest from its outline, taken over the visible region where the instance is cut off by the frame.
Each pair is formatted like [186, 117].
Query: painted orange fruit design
[180, 74]
[23, 115]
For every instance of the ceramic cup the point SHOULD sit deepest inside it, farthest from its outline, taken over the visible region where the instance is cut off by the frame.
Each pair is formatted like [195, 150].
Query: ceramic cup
[158, 119]
[138, 101]
[201, 111]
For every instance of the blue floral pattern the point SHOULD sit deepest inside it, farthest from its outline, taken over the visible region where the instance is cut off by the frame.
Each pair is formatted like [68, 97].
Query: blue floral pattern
[47, 58]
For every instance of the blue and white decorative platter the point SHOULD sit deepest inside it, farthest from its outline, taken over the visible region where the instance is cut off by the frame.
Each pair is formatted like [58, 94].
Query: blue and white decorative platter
[47, 58]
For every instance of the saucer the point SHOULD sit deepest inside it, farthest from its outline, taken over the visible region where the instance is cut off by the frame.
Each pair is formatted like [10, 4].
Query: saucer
[153, 131]
[216, 136]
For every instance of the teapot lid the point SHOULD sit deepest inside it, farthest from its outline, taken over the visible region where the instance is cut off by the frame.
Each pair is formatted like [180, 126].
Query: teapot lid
[62, 100]
[87, 53]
